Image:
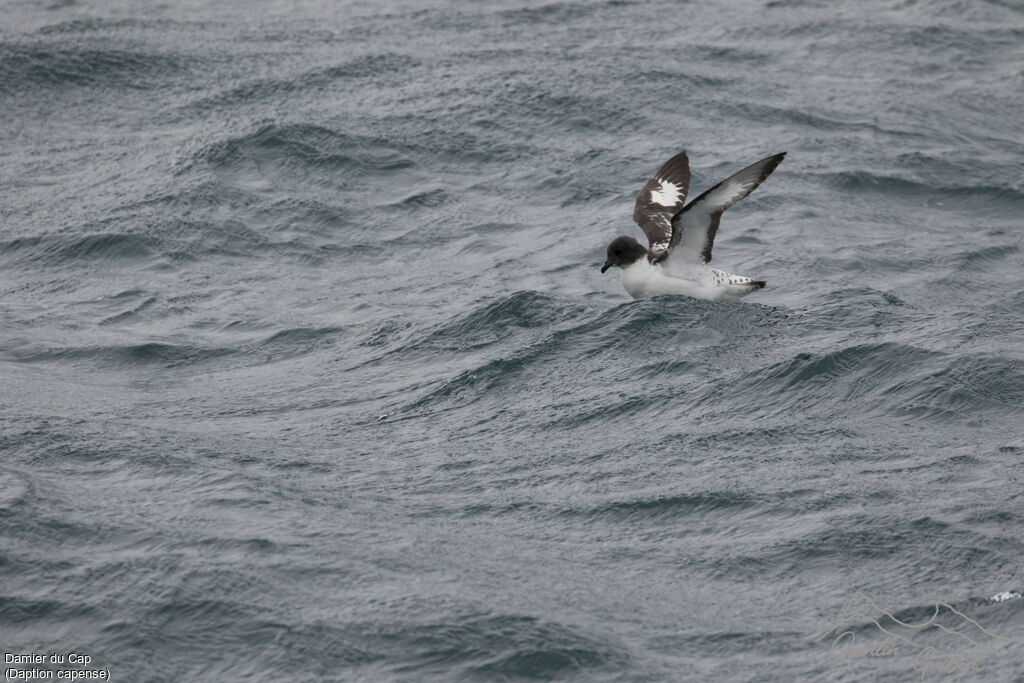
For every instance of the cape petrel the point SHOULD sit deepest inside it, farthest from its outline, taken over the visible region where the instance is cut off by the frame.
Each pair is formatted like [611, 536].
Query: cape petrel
[680, 237]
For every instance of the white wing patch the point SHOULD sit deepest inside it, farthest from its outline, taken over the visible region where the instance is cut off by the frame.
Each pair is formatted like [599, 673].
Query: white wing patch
[731, 191]
[666, 195]
[659, 247]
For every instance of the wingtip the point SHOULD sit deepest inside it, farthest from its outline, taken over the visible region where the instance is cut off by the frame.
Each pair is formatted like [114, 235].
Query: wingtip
[773, 163]
[679, 155]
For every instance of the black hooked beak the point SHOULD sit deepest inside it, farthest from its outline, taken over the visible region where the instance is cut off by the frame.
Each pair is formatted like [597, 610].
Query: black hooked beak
[606, 266]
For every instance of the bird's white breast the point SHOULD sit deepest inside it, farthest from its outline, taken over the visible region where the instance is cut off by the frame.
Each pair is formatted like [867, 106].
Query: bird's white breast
[642, 279]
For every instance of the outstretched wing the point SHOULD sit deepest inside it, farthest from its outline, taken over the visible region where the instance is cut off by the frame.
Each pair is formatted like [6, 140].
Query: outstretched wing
[661, 199]
[695, 226]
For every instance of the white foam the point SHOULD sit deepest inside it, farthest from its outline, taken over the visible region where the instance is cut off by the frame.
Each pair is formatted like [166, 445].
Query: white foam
[1004, 596]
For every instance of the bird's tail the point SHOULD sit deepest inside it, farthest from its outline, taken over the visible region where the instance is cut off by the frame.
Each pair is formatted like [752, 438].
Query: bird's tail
[743, 288]
[737, 285]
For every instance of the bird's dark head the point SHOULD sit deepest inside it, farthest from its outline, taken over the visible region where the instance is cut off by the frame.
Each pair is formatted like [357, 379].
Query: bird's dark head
[622, 252]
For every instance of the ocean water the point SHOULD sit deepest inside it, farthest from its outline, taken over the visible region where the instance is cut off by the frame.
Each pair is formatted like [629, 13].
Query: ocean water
[308, 371]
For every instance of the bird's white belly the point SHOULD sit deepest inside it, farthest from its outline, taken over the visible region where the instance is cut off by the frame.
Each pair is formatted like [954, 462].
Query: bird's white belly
[641, 279]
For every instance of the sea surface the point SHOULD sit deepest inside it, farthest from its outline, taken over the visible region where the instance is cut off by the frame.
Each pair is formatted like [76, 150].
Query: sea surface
[308, 371]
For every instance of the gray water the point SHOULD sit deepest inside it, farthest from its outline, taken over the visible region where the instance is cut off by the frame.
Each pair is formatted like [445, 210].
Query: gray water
[308, 371]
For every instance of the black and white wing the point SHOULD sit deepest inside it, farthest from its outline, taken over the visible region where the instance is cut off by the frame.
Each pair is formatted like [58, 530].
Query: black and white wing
[660, 200]
[694, 227]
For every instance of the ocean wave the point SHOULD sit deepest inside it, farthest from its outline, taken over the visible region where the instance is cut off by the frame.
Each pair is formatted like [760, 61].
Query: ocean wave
[893, 379]
[846, 373]
[529, 342]
[64, 249]
[29, 66]
[491, 647]
[119, 27]
[551, 11]
[151, 353]
[373, 68]
[968, 386]
[670, 505]
[906, 188]
[191, 234]
[307, 144]
[135, 311]
[14, 489]
[496, 321]
[281, 345]
[579, 339]
[18, 611]
[294, 342]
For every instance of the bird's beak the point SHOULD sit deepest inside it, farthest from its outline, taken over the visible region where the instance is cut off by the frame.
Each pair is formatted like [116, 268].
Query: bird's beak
[606, 266]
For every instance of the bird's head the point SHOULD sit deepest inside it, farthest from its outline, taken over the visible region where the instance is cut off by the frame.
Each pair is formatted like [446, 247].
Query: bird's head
[622, 252]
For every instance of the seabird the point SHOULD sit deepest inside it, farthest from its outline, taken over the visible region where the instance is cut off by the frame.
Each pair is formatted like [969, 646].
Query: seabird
[680, 238]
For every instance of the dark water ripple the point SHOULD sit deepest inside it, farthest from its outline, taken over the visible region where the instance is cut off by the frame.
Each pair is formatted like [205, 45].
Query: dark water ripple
[307, 370]
[37, 66]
